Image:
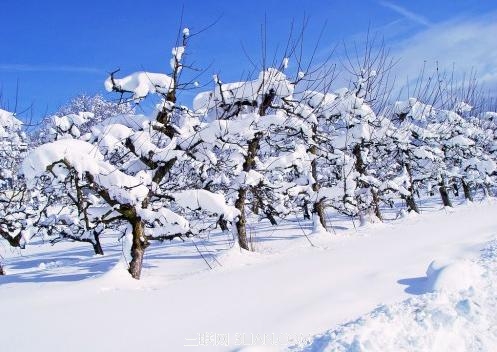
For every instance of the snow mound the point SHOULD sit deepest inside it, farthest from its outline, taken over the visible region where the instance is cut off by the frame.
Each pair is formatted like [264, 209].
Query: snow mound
[456, 276]
[459, 316]
[236, 257]
[117, 278]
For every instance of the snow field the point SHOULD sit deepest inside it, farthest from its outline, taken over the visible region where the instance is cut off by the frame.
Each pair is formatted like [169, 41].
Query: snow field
[288, 288]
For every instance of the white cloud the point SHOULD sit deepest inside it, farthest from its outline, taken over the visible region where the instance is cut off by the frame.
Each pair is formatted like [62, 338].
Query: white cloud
[47, 68]
[406, 13]
[463, 44]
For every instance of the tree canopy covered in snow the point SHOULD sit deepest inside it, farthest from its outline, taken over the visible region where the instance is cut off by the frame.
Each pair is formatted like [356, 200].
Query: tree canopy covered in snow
[285, 143]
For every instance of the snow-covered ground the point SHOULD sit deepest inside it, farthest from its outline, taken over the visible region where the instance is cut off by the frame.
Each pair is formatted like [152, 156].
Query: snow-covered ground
[294, 288]
[457, 314]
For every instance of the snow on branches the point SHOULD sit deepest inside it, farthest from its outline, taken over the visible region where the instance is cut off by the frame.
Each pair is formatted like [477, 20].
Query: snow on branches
[266, 148]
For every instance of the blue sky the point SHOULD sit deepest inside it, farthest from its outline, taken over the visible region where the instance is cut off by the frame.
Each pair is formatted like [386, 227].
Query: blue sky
[57, 49]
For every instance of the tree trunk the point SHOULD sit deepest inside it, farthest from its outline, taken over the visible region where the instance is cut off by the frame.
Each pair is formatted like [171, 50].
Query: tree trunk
[362, 218]
[270, 217]
[411, 204]
[410, 201]
[467, 191]
[241, 223]
[97, 247]
[223, 224]
[360, 167]
[255, 206]
[306, 210]
[255, 200]
[456, 189]
[13, 241]
[138, 247]
[248, 164]
[318, 206]
[444, 194]
[318, 209]
[376, 204]
[1, 270]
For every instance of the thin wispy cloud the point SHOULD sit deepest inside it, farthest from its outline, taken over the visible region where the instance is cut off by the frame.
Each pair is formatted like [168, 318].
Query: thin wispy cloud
[464, 45]
[407, 13]
[48, 68]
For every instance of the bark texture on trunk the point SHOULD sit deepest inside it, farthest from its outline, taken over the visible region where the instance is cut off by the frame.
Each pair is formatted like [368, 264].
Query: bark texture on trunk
[270, 217]
[410, 201]
[411, 204]
[467, 191]
[13, 241]
[376, 204]
[248, 164]
[138, 247]
[223, 224]
[442, 188]
[255, 200]
[318, 207]
[456, 189]
[97, 246]
[306, 210]
[241, 222]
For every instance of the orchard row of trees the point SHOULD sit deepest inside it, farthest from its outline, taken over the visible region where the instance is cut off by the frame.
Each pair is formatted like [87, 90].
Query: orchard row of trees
[283, 144]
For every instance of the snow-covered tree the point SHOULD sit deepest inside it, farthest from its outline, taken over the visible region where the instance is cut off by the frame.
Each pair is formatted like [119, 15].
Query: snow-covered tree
[281, 143]
[13, 145]
[129, 161]
[263, 133]
[412, 149]
[77, 117]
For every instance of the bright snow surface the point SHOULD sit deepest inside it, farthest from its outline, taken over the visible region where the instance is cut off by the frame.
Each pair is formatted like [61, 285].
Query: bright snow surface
[61, 298]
